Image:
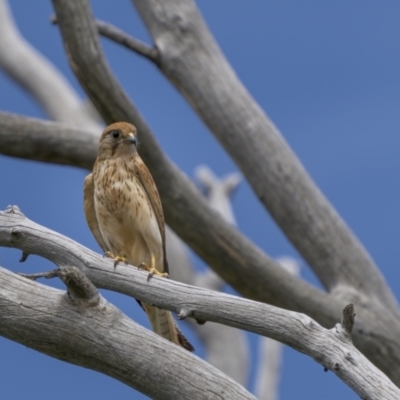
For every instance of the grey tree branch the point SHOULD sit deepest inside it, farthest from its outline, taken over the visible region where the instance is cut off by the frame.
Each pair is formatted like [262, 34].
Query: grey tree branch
[88, 331]
[39, 77]
[192, 61]
[117, 35]
[46, 141]
[331, 348]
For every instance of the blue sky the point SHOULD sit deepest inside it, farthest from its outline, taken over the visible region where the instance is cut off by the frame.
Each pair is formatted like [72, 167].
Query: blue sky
[327, 73]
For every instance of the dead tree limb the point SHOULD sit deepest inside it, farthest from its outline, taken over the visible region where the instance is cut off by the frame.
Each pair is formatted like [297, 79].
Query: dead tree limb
[82, 328]
[331, 348]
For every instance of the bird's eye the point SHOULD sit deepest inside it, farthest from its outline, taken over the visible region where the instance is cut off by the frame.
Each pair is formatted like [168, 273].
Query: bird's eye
[115, 134]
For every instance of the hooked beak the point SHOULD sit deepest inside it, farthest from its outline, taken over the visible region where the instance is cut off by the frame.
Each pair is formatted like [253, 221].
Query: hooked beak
[131, 139]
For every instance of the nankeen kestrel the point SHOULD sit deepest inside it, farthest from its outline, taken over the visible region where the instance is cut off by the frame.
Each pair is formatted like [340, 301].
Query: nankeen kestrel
[124, 213]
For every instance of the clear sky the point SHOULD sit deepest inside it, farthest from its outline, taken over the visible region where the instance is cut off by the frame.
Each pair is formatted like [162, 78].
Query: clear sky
[327, 73]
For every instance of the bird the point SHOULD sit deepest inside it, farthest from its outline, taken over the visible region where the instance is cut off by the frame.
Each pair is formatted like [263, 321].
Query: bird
[124, 212]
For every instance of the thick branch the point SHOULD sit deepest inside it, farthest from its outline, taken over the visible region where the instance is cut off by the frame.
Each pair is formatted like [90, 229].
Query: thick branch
[98, 336]
[19, 232]
[296, 330]
[190, 58]
[46, 141]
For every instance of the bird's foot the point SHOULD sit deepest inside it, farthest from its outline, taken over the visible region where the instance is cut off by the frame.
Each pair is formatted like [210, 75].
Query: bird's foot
[117, 259]
[152, 271]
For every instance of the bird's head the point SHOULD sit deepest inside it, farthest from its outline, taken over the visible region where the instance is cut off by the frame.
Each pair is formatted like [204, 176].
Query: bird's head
[118, 139]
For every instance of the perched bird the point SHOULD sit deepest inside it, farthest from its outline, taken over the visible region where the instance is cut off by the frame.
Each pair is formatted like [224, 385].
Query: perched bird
[124, 213]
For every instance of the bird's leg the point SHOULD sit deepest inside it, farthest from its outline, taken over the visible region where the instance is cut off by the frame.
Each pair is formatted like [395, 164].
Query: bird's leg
[117, 259]
[152, 269]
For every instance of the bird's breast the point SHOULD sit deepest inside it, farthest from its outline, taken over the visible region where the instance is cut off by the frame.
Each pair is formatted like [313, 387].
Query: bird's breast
[126, 218]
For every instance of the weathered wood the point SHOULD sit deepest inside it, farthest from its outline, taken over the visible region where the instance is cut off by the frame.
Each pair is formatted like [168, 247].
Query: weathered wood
[100, 337]
[331, 348]
[47, 141]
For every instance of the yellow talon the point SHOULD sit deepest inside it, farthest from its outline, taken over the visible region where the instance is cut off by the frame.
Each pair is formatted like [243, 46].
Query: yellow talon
[152, 271]
[117, 259]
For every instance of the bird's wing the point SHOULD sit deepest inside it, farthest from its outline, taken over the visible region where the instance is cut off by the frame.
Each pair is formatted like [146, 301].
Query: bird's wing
[150, 187]
[90, 212]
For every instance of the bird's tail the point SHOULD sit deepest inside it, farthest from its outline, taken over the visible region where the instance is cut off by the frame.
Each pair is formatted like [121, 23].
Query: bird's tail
[164, 325]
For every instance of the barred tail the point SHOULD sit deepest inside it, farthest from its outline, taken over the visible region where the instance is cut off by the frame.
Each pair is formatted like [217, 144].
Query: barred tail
[164, 325]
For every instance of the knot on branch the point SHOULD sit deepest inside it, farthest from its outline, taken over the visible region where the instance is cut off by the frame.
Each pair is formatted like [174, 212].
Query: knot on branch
[80, 289]
[14, 210]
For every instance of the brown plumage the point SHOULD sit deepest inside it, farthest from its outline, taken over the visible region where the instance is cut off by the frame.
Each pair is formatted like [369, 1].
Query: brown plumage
[124, 213]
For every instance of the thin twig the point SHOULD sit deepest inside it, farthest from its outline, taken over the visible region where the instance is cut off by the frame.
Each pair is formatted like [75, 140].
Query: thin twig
[48, 275]
[119, 36]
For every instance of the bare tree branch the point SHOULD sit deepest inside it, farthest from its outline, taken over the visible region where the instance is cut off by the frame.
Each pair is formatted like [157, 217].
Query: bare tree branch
[117, 35]
[195, 65]
[218, 190]
[39, 77]
[46, 141]
[88, 331]
[331, 348]
[19, 232]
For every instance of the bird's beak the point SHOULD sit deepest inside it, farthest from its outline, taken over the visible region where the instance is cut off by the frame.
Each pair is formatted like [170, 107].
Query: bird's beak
[131, 139]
